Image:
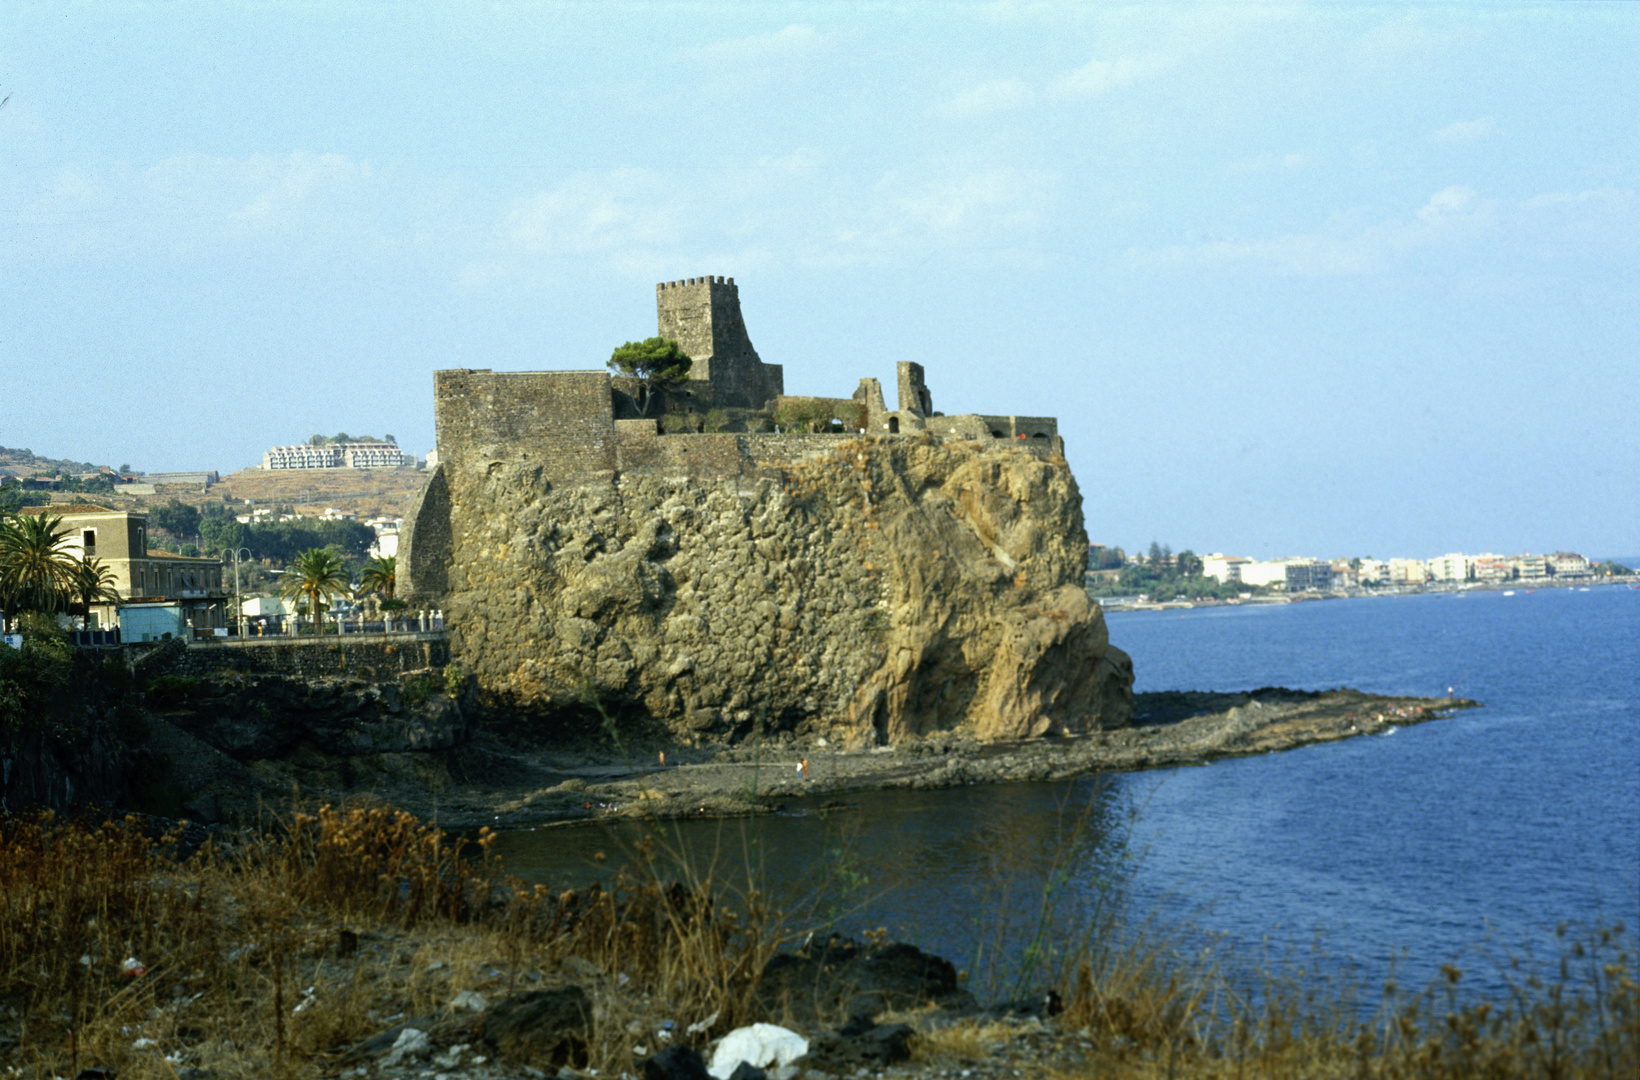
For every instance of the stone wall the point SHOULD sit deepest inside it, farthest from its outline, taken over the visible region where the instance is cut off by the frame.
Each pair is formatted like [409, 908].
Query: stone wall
[369, 657]
[564, 419]
[423, 563]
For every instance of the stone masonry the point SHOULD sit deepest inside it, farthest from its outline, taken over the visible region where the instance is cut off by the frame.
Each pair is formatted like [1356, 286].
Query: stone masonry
[703, 316]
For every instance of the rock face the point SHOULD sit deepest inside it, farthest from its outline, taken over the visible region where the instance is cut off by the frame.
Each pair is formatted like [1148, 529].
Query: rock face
[881, 589]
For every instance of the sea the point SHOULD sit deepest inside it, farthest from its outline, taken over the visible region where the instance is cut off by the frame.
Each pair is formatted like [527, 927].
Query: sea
[1473, 840]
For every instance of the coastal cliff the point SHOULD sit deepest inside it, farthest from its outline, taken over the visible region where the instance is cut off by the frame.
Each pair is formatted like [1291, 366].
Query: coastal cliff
[871, 590]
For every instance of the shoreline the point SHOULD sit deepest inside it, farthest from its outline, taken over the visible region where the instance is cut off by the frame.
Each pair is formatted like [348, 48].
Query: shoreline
[1130, 603]
[553, 787]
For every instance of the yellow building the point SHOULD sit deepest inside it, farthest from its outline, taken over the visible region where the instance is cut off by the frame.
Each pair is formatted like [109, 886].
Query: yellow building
[119, 540]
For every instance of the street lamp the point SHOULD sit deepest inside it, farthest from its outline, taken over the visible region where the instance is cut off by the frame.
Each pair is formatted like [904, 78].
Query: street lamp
[238, 600]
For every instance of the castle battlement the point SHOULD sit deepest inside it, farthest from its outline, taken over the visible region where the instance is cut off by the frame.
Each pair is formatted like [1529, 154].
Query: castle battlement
[707, 280]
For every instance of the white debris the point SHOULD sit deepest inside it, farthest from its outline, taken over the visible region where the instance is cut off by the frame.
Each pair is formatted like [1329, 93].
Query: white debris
[411, 1044]
[470, 1000]
[759, 1044]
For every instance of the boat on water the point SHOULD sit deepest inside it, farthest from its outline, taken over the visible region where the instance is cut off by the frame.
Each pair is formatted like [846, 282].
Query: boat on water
[1509, 592]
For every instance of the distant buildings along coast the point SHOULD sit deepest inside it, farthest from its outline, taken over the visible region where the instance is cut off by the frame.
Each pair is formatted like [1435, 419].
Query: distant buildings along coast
[1319, 575]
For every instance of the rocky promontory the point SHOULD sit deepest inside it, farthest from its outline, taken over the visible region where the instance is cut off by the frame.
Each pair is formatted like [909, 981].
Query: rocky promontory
[870, 591]
[338, 740]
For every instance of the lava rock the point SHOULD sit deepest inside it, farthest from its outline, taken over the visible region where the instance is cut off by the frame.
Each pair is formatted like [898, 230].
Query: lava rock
[676, 1063]
[541, 1028]
[860, 1044]
[840, 977]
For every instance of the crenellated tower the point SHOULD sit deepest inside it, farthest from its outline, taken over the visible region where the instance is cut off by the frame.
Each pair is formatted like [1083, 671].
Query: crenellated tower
[703, 316]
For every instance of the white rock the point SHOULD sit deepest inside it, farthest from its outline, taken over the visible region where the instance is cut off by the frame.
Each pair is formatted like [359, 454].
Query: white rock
[411, 1044]
[470, 1000]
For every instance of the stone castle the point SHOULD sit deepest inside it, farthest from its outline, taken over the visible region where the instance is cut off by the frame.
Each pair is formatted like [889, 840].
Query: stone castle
[725, 559]
[581, 425]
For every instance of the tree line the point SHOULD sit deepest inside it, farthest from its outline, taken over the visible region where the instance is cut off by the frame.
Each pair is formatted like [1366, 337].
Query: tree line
[278, 542]
[1159, 574]
[38, 575]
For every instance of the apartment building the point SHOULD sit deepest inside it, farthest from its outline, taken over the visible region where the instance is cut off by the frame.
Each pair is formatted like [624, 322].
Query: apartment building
[119, 540]
[357, 455]
[1226, 568]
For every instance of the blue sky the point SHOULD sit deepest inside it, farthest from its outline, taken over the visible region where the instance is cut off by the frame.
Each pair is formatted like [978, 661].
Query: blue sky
[1297, 279]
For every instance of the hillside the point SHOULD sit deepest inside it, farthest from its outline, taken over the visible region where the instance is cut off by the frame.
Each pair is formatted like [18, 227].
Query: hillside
[23, 462]
[364, 491]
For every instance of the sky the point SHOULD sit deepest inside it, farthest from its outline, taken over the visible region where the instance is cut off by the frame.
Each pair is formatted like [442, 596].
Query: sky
[1297, 279]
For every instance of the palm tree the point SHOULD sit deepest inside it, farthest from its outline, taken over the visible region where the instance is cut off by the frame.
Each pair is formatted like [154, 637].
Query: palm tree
[380, 576]
[93, 583]
[316, 575]
[35, 573]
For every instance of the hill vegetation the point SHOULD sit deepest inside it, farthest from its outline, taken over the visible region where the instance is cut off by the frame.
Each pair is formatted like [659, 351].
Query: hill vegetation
[17, 461]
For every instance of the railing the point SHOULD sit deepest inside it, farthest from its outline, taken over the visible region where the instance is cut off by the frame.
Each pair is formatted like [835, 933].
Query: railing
[279, 626]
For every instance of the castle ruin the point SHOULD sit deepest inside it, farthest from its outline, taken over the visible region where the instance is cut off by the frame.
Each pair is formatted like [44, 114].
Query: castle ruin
[578, 426]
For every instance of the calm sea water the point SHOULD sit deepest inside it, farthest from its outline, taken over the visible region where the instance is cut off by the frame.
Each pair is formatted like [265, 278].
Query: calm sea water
[1483, 830]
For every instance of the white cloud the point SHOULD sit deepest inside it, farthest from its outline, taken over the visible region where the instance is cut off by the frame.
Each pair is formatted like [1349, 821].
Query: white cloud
[1578, 225]
[1102, 76]
[1448, 203]
[1271, 163]
[620, 212]
[281, 184]
[759, 50]
[802, 160]
[995, 95]
[998, 199]
[1465, 131]
[192, 201]
[783, 211]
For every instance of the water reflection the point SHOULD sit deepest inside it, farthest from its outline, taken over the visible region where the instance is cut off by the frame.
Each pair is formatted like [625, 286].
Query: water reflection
[968, 873]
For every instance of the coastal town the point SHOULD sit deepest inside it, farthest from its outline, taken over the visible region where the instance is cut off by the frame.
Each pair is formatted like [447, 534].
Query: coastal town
[1163, 579]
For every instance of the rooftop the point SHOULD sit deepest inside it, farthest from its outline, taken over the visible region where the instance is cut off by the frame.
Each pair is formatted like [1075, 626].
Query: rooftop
[156, 554]
[71, 509]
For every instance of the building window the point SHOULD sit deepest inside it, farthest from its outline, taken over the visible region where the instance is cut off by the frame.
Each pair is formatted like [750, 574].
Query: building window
[88, 540]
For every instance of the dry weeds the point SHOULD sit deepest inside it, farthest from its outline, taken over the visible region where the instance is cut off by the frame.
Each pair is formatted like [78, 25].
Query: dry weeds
[270, 957]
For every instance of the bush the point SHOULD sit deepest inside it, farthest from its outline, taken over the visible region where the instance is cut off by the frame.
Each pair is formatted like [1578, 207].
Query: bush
[418, 688]
[169, 691]
[30, 677]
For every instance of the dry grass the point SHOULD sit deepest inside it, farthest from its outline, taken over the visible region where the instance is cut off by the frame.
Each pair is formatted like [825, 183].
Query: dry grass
[268, 959]
[1151, 1012]
[963, 1043]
